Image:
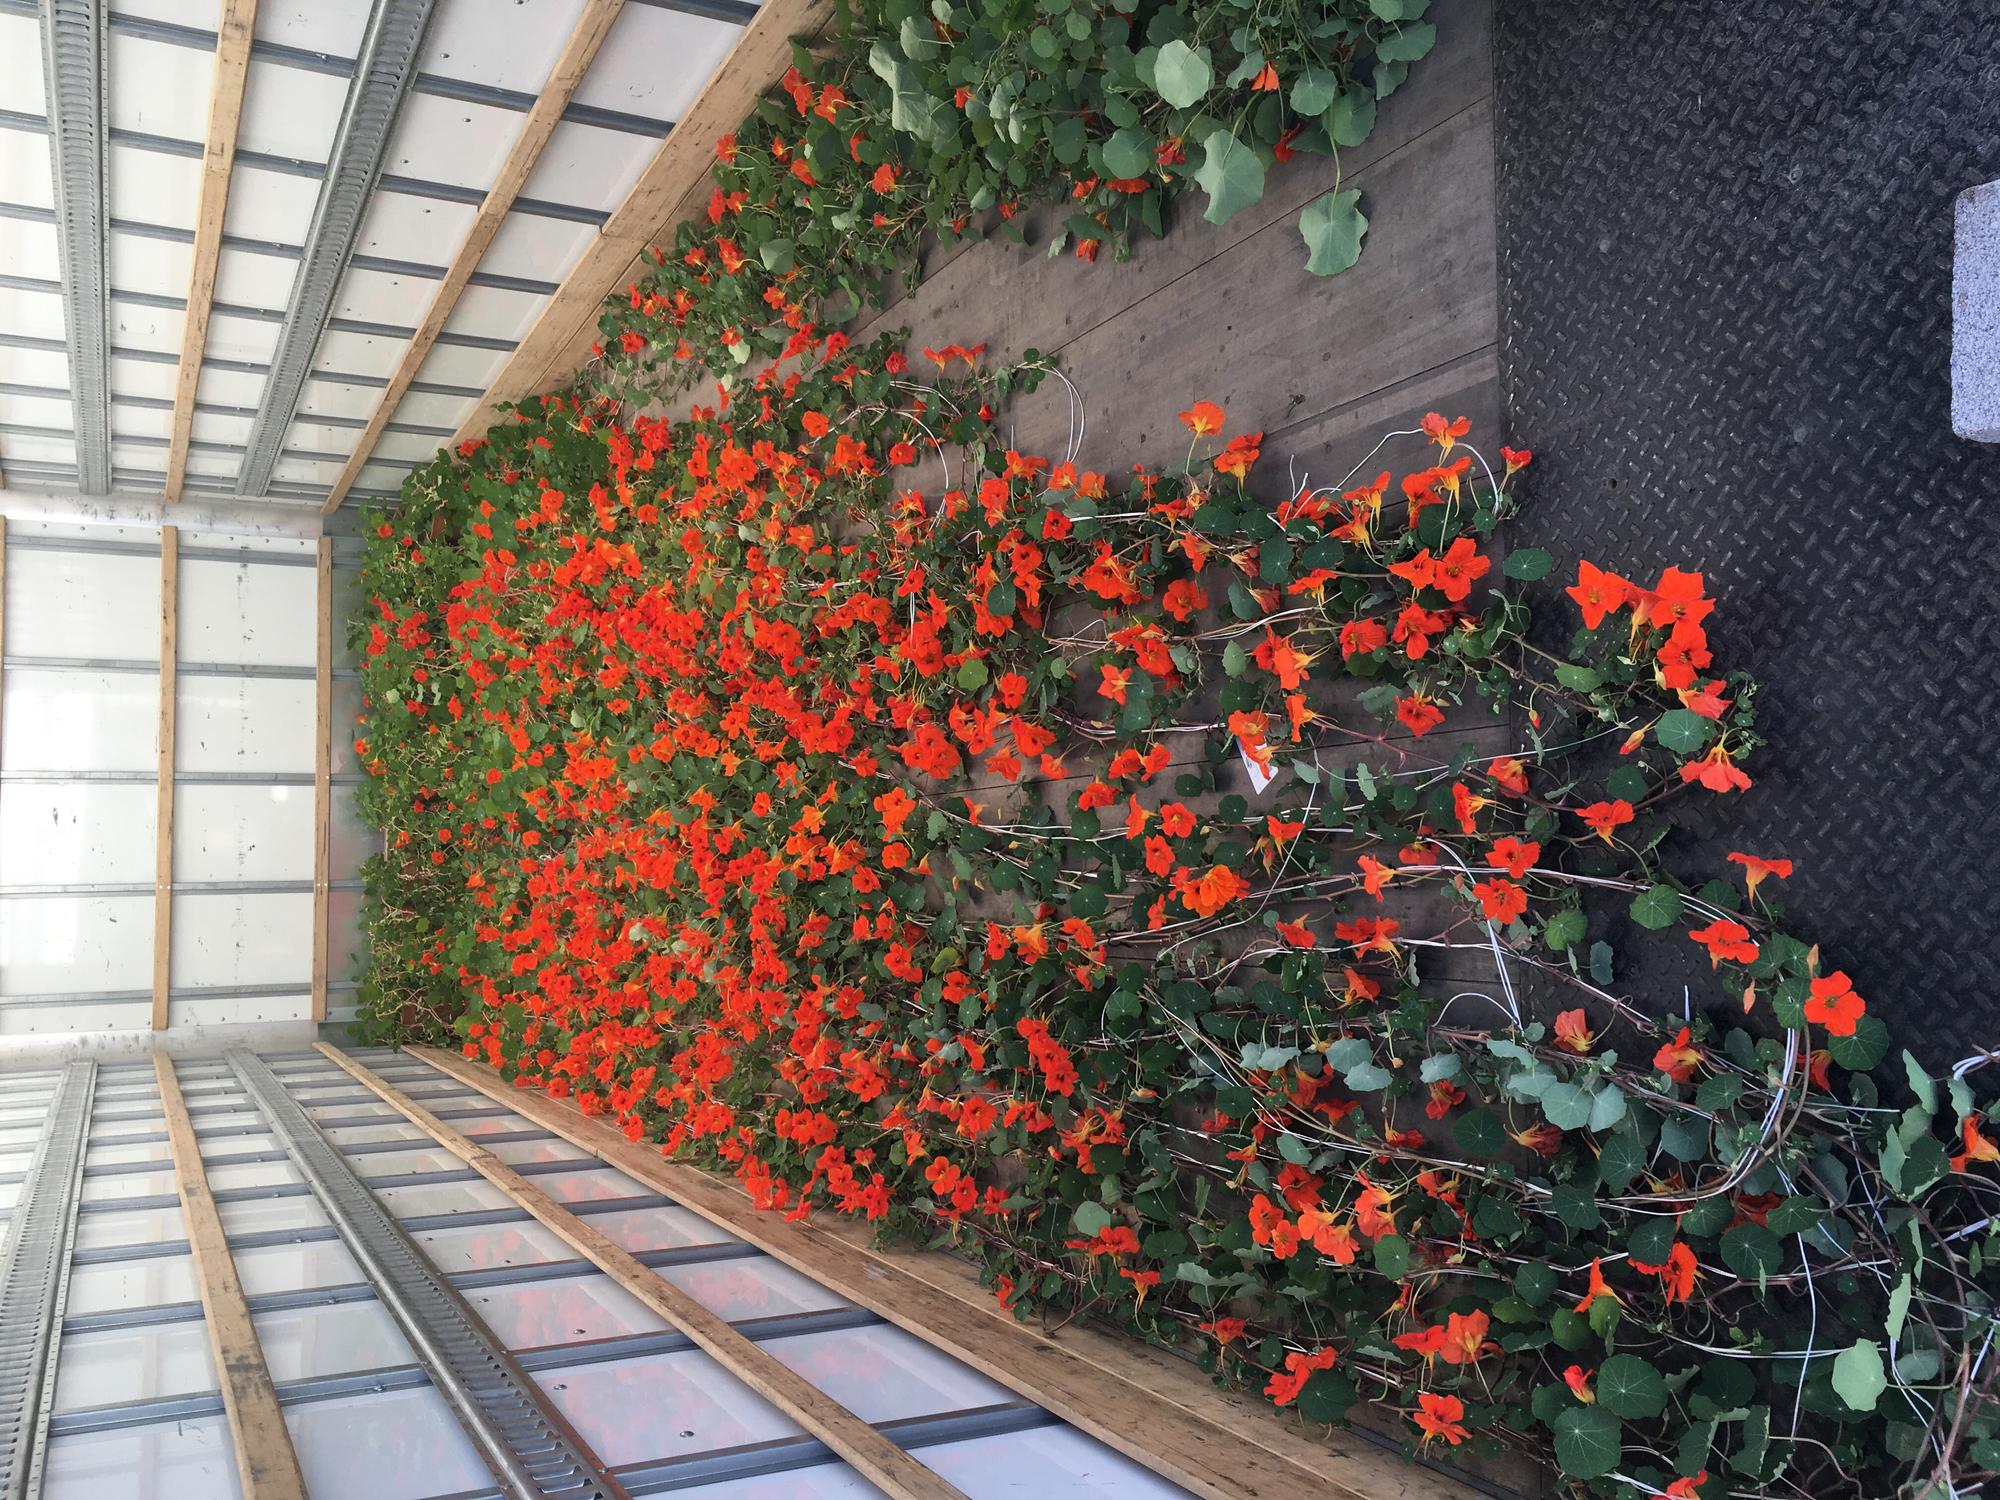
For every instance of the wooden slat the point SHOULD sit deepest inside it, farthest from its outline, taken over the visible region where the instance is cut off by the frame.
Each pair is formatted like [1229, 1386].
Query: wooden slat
[1159, 1412]
[265, 1460]
[884, 1464]
[655, 204]
[584, 40]
[225, 109]
[163, 849]
[322, 781]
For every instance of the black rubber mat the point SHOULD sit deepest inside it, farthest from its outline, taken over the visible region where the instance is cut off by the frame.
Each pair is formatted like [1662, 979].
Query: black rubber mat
[1725, 267]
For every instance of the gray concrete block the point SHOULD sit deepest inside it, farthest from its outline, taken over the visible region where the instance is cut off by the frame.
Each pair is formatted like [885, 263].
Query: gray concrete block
[1975, 315]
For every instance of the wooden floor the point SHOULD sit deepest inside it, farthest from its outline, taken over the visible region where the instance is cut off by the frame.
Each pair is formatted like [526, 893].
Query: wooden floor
[1228, 313]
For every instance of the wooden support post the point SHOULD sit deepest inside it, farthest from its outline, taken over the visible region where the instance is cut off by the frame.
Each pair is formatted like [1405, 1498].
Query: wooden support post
[1158, 1411]
[875, 1456]
[266, 1462]
[323, 782]
[234, 29]
[163, 852]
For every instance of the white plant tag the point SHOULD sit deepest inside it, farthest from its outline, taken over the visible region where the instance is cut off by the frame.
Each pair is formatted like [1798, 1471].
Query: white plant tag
[1259, 777]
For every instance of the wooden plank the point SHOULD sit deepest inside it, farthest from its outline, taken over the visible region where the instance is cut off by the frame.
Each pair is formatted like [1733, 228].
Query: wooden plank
[322, 780]
[163, 836]
[225, 110]
[266, 1462]
[585, 38]
[884, 1464]
[754, 64]
[1207, 1442]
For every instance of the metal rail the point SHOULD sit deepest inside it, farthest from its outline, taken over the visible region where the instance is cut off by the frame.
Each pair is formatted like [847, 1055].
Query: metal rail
[34, 1286]
[530, 1448]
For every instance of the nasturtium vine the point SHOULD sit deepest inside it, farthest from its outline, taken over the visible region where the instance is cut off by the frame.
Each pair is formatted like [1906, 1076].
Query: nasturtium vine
[1214, 908]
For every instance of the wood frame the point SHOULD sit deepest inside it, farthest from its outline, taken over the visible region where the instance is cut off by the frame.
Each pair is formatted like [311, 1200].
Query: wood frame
[322, 779]
[588, 35]
[657, 200]
[163, 851]
[874, 1455]
[1155, 1409]
[266, 1462]
[233, 33]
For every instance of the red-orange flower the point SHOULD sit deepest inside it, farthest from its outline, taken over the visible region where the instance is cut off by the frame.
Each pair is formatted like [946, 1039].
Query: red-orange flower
[1678, 1058]
[1603, 817]
[1202, 418]
[1598, 593]
[1755, 869]
[1726, 939]
[1834, 1005]
[1439, 1416]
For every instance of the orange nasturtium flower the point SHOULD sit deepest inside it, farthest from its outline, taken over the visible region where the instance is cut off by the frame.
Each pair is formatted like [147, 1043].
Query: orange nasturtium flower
[1599, 1287]
[1834, 1005]
[1578, 1380]
[1598, 593]
[1605, 816]
[1677, 1272]
[1977, 1146]
[1678, 1058]
[1726, 939]
[1202, 418]
[1440, 1417]
[1755, 869]
[1573, 1031]
[1442, 432]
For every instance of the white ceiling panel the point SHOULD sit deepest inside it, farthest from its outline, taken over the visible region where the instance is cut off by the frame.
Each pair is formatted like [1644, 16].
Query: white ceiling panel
[143, 377]
[289, 111]
[32, 411]
[382, 476]
[589, 166]
[241, 338]
[225, 387]
[135, 327]
[454, 364]
[331, 26]
[494, 313]
[139, 264]
[37, 314]
[380, 297]
[424, 409]
[359, 353]
[448, 140]
[465, 42]
[46, 368]
[334, 398]
[29, 249]
[317, 437]
[149, 187]
[214, 427]
[266, 205]
[655, 61]
[533, 246]
[140, 421]
[138, 456]
[206, 14]
[252, 280]
[304, 471]
[25, 172]
[21, 66]
[407, 445]
[398, 226]
[217, 465]
[19, 448]
[158, 87]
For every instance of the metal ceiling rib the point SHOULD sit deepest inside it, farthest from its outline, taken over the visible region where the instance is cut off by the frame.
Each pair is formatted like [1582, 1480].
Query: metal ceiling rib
[388, 59]
[73, 54]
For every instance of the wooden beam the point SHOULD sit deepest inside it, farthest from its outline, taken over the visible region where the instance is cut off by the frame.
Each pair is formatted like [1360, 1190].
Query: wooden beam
[884, 1464]
[163, 829]
[323, 781]
[578, 52]
[1158, 1411]
[225, 109]
[655, 204]
[266, 1462]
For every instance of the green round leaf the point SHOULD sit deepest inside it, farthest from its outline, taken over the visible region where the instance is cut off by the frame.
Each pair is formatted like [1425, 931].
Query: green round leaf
[1129, 153]
[1351, 117]
[1314, 89]
[1629, 1387]
[1332, 227]
[1479, 1133]
[1527, 564]
[1861, 1051]
[1587, 1442]
[1232, 174]
[1182, 75]
[1091, 1217]
[1657, 907]
[1683, 731]
[1858, 1375]
[1752, 1251]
